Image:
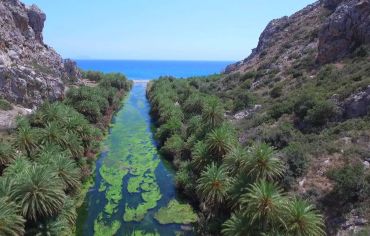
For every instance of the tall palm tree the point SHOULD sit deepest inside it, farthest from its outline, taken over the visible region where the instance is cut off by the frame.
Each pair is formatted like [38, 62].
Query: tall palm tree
[6, 155]
[213, 185]
[265, 205]
[55, 227]
[303, 220]
[200, 157]
[65, 168]
[52, 133]
[6, 185]
[74, 145]
[17, 167]
[68, 212]
[39, 192]
[213, 113]
[238, 225]
[263, 163]
[236, 160]
[220, 141]
[26, 138]
[11, 222]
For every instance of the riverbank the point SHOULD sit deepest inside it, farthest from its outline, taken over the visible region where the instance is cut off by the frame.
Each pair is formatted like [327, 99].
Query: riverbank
[50, 154]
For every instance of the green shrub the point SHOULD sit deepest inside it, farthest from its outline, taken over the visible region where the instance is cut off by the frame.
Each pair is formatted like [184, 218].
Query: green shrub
[297, 159]
[321, 113]
[5, 105]
[277, 91]
[351, 182]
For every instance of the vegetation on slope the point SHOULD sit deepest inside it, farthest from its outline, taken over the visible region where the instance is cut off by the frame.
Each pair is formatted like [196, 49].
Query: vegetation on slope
[237, 187]
[50, 156]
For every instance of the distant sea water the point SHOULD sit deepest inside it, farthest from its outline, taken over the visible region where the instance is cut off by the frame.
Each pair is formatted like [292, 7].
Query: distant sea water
[147, 70]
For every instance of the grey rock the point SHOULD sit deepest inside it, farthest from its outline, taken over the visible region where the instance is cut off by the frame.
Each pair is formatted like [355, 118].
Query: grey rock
[36, 20]
[30, 71]
[357, 105]
[346, 29]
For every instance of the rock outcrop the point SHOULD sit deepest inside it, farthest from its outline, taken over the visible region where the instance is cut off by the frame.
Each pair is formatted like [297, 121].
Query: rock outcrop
[328, 30]
[346, 28]
[30, 71]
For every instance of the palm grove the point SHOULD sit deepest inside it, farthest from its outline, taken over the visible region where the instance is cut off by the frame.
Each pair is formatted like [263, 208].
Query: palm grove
[237, 188]
[50, 155]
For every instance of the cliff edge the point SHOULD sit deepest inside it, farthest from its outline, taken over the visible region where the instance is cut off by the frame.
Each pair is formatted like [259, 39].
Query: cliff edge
[30, 71]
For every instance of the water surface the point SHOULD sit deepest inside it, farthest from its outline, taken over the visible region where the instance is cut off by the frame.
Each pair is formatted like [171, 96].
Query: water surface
[132, 183]
[147, 70]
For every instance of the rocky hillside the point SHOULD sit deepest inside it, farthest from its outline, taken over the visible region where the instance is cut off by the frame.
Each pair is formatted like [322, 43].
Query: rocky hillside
[30, 71]
[305, 89]
[323, 32]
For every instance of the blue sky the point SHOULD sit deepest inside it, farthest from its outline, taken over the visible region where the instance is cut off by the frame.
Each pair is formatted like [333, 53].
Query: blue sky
[159, 29]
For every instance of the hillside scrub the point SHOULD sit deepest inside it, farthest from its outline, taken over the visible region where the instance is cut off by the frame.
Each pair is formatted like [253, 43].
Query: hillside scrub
[232, 183]
[50, 156]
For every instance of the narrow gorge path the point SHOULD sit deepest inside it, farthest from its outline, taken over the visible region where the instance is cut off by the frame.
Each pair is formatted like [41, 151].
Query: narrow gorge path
[134, 191]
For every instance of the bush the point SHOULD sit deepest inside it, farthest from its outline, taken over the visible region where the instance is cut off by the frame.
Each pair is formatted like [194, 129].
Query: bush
[297, 159]
[321, 113]
[351, 183]
[5, 105]
[276, 92]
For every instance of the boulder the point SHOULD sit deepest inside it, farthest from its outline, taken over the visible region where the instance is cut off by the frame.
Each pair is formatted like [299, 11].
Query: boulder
[358, 104]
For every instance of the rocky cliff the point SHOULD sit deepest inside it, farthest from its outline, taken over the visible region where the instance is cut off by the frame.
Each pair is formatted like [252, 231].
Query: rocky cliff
[325, 31]
[30, 71]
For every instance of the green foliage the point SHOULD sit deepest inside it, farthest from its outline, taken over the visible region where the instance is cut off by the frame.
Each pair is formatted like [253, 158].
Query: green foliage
[45, 161]
[213, 185]
[5, 105]
[176, 213]
[39, 192]
[11, 223]
[263, 163]
[351, 182]
[277, 91]
[233, 184]
[303, 220]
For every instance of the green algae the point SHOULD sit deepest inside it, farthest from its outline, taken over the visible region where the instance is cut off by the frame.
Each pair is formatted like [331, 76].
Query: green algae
[128, 177]
[102, 229]
[144, 233]
[134, 184]
[176, 212]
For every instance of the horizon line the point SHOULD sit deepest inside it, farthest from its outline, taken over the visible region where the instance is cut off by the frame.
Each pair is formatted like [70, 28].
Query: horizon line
[169, 60]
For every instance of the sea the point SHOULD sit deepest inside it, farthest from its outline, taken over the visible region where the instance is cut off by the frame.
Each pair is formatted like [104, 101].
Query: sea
[150, 69]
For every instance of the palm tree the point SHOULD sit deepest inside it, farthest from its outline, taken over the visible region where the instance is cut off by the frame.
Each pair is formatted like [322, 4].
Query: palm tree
[236, 160]
[220, 141]
[213, 113]
[18, 166]
[200, 157]
[74, 145]
[39, 192]
[264, 203]
[52, 133]
[303, 220]
[213, 185]
[6, 185]
[237, 225]
[263, 163]
[26, 137]
[6, 155]
[68, 212]
[59, 227]
[65, 168]
[11, 223]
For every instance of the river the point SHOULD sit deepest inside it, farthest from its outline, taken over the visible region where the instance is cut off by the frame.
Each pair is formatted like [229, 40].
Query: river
[132, 182]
